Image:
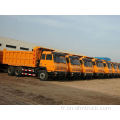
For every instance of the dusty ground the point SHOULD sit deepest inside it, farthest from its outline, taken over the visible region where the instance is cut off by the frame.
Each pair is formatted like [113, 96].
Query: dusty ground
[30, 91]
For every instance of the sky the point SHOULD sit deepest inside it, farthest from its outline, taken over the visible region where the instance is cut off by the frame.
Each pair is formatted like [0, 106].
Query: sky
[93, 36]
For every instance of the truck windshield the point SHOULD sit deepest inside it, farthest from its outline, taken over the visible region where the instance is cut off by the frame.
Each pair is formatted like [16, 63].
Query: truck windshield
[99, 64]
[74, 60]
[88, 63]
[59, 58]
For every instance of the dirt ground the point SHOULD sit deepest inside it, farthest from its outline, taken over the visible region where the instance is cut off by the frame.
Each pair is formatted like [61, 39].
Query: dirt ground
[32, 91]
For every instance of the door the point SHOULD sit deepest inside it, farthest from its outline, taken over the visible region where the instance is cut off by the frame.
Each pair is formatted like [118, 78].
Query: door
[43, 60]
[49, 62]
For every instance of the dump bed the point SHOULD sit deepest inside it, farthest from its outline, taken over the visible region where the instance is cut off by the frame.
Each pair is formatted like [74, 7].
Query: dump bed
[21, 58]
[1, 57]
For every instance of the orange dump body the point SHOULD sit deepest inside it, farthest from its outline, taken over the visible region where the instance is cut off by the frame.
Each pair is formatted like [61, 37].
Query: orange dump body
[22, 58]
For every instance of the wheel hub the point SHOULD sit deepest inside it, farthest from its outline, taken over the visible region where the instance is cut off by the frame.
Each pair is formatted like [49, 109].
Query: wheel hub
[42, 75]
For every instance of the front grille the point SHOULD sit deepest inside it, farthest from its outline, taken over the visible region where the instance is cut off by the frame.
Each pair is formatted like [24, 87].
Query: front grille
[100, 71]
[61, 68]
[89, 71]
[76, 69]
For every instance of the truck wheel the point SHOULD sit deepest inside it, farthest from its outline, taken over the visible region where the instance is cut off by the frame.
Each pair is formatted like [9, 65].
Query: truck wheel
[43, 75]
[11, 71]
[18, 71]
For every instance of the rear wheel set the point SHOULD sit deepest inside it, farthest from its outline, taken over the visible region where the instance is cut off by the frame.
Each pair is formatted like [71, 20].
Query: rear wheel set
[11, 71]
[17, 71]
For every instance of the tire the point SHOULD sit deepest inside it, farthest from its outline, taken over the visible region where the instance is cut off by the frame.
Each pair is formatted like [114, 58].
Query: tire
[11, 71]
[43, 75]
[18, 71]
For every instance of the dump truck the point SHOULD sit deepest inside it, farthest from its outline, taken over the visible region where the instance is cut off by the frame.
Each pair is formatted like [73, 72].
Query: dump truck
[87, 67]
[41, 63]
[44, 62]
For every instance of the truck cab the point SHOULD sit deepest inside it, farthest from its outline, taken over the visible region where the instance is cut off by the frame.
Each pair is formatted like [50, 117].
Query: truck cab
[114, 69]
[74, 66]
[55, 63]
[98, 68]
[107, 69]
[87, 67]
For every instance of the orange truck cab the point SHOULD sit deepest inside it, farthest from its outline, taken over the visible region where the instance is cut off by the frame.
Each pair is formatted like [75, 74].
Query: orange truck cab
[107, 69]
[55, 63]
[115, 69]
[98, 68]
[87, 67]
[118, 70]
[74, 67]
[41, 62]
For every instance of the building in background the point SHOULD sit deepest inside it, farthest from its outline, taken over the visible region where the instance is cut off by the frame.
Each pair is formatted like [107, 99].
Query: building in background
[12, 44]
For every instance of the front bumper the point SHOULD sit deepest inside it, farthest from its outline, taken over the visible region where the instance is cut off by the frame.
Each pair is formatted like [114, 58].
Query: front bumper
[115, 74]
[88, 74]
[99, 74]
[57, 74]
[74, 74]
